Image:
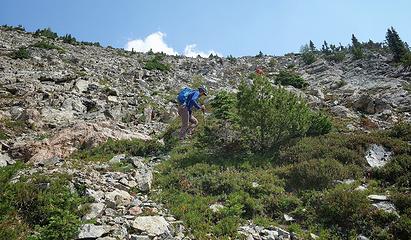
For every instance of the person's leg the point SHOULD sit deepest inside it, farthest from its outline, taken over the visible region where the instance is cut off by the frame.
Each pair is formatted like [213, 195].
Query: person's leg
[183, 112]
[193, 123]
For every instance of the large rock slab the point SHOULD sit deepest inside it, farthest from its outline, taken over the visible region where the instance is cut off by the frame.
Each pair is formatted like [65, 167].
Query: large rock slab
[91, 231]
[144, 178]
[118, 198]
[152, 225]
[5, 160]
[96, 209]
[68, 140]
[377, 156]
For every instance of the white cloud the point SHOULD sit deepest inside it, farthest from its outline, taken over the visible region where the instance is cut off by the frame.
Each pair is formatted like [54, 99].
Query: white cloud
[154, 41]
[191, 51]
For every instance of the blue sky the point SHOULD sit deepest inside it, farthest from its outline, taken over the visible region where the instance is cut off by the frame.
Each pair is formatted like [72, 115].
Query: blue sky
[237, 27]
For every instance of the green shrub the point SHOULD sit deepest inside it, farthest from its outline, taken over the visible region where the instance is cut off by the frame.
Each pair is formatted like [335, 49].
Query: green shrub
[46, 32]
[43, 206]
[402, 228]
[406, 60]
[227, 227]
[346, 148]
[343, 208]
[105, 151]
[397, 171]
[290, 78]
[223, 106]
[270, 116]
[193, 210]
[12, 28]
[402, 202]
[96, 44]
[47, 45]
[357, 52]
[21, 53]
[276, 205]
[69, 39]
[401, 130]
[221, 129]
[338, 56]
[231, 59]
[319, 174]
[320, 124]
[156, 64]
[307, 55]
[242, 204]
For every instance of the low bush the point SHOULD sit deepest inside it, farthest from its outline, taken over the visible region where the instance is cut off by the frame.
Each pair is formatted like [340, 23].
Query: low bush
[12, 28]
[276, 205]
[319, 174]
[397, 171]
[69, 39]
[47, 45]
[344, 208]
[357, 52]
[105, 151]
[401, 130]
[96, 44]
[402, 228]
[156, 64]
[402, 201]
[320, 124]
[290, 78]
[46, 32]
[38, 207]
[308, 55]
[330, 146]
[231, 59]
[21, 53]
[335, 56]
[406, 60]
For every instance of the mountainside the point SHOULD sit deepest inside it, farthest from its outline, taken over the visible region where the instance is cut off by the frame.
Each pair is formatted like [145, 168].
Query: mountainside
[61, 102]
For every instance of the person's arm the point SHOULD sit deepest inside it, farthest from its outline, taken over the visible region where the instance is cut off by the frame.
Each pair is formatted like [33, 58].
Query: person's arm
[193, 101]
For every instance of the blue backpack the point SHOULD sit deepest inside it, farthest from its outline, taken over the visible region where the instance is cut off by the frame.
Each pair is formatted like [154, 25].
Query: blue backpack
[183, 95]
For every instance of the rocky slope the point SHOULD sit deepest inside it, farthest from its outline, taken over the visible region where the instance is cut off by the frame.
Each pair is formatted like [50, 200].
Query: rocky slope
[61, 100]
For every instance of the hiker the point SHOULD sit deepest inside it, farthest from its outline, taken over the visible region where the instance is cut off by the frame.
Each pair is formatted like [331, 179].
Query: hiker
[187, 99]
[259, 71]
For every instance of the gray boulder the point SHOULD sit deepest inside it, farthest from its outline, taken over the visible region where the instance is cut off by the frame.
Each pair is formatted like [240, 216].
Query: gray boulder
[377, 156]
[144, 178]
[96, 209]
[152, 225]
[92, 231]
[5, 160]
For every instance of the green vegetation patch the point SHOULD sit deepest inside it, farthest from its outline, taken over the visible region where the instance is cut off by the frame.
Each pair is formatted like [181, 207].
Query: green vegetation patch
[290, 78]
[48, 45]
[39, 206]
[226, 166]
[46, 32]
[156, 64]
[21, 53]
[105, 151]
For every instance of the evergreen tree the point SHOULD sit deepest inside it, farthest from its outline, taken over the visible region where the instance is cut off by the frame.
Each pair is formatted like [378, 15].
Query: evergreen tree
[355, 42]
[396, 45]
[260, 55]
[325, 49]
[308, 54]
[356, 48]
[270, 116]
[312, 46]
